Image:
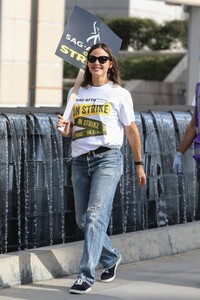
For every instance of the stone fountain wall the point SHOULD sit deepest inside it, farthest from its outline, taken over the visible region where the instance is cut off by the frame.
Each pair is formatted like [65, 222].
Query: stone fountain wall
[36, 195]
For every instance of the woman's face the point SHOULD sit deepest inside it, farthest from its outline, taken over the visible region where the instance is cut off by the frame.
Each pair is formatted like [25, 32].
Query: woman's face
[98, 69]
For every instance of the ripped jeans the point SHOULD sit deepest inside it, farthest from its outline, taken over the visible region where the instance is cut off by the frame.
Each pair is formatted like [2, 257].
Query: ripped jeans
[95, 180]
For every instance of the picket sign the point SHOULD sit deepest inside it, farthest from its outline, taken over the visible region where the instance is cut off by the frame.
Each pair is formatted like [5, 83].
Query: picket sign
[77, 39]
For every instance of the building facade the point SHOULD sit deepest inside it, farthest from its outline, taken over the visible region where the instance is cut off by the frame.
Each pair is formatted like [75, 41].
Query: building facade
[152, 9]
[30, 72]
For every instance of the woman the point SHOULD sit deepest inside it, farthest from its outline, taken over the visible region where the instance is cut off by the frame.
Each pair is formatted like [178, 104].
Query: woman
[103, 109]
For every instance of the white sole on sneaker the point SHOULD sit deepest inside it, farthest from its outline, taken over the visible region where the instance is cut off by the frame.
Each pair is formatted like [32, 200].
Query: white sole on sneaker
[79, 292]
[112, 278]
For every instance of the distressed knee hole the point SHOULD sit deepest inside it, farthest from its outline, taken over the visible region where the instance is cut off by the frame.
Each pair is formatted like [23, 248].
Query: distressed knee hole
[94, 208]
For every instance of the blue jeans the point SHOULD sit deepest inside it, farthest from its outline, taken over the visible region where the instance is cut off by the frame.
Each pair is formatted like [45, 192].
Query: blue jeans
[95, 180]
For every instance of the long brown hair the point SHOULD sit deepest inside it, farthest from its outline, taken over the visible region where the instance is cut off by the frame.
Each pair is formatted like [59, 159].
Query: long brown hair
[113, 73]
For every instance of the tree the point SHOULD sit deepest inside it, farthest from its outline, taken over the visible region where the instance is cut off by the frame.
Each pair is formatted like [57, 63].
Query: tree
[123, 28]
[177, 29]
[146, 33]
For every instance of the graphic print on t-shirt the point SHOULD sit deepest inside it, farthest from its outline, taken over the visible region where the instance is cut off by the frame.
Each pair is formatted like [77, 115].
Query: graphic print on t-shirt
[83, 112]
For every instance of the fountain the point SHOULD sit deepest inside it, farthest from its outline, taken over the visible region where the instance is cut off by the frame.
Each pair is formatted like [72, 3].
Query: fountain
[36, 195]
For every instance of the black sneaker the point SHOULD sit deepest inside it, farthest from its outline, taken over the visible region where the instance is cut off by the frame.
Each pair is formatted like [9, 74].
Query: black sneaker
[80, 287]
[109, 274]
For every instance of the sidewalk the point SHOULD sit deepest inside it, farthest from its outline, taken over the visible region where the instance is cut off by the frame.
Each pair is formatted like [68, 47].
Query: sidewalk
[168, 278]
[57, 261]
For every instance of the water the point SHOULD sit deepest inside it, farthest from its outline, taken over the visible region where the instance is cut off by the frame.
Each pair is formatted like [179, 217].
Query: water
[36, 195]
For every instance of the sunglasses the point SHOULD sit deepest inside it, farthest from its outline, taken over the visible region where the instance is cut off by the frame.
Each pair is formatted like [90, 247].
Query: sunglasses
[101, 59]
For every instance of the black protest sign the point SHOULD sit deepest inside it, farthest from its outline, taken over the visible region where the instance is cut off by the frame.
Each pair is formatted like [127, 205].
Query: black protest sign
[82, 31]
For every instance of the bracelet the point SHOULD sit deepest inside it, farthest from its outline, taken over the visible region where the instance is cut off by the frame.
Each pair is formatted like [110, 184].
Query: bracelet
[139, 163]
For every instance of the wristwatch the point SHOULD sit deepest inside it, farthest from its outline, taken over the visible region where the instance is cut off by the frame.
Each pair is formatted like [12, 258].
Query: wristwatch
[139, 163]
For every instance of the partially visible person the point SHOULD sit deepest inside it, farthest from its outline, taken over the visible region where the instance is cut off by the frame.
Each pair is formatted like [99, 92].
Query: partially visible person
[186, 142]
[101, 113]
[188, 138]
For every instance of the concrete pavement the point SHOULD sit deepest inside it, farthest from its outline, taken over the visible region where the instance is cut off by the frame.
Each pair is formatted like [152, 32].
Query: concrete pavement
[174, 277]
[36, 265]
[157, 264]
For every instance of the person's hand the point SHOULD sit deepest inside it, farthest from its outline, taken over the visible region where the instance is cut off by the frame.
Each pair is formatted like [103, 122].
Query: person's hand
[141, 175]
[65, 124]
[177, 164]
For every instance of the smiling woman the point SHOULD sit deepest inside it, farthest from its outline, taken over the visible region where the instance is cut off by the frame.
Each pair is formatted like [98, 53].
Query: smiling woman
[98, 123]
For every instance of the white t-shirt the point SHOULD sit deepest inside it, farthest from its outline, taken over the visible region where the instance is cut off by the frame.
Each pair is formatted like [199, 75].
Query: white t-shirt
[99, 116]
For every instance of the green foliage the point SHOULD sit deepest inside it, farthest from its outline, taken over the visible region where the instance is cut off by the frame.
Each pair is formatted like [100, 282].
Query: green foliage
[140, 33]
[70, 71]
[148, 67]
[151, 67]
[161, 40]
[134, 32]
[143, 33]
[123, 28]
[178, 31]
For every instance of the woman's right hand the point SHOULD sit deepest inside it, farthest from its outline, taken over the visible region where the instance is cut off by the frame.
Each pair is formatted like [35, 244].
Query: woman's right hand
[65, 124]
